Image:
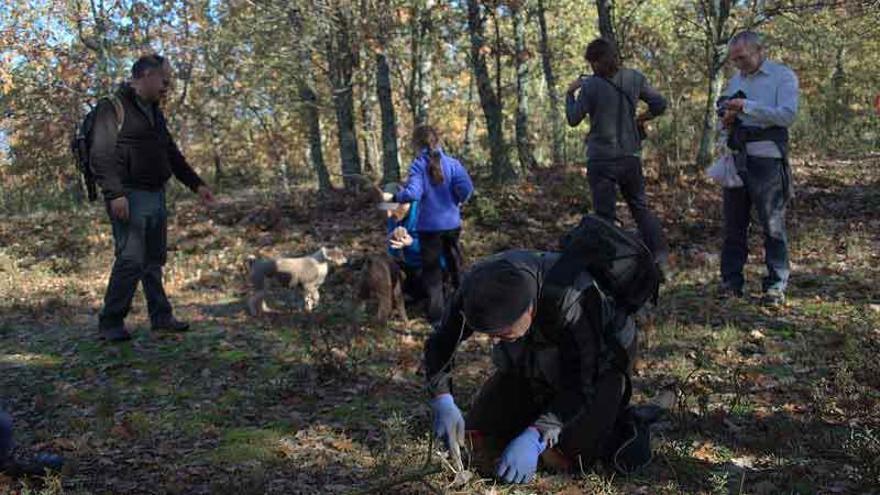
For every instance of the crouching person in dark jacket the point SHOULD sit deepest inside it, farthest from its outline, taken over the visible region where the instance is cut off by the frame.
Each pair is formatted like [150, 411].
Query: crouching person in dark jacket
[14, 466]
[561, 387]
[133, 155]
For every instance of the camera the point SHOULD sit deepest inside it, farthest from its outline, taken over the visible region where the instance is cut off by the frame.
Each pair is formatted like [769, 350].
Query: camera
[721, 103]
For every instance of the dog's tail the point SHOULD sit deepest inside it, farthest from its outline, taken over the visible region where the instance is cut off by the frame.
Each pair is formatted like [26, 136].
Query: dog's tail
[259, 270]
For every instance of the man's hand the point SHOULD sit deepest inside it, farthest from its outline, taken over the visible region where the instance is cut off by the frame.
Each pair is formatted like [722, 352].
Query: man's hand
[119, 208]
[728, 118]
[519, 461]
[205, 195]
[449, 425]
[736, 104]
[574, 86]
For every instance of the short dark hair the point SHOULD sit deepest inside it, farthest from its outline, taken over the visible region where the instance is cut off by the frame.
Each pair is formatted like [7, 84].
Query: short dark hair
[145, 63]
[602, 54]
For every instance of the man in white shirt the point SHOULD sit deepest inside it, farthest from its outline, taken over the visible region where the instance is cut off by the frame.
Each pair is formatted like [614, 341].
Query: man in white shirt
[758, 125]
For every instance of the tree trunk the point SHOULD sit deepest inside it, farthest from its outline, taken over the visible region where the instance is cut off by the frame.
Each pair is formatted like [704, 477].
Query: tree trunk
[469, 121]
[714, 15]
[714, 86]
[523, 140]
[390, 165]
[497, 52]
[312, 118]
[309, 104]
[215, 151]
[419, 90]
[605, 10]
[342, 65]
[502, 171]
[556, 117]
[367, 108]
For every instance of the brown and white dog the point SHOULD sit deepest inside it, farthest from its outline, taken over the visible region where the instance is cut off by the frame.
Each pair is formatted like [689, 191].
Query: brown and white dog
[382, 282]
[306, 272]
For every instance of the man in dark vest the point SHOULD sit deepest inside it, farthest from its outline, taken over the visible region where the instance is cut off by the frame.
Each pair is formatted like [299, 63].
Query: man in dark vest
[132, 160]
[563, 357]
[758, 126]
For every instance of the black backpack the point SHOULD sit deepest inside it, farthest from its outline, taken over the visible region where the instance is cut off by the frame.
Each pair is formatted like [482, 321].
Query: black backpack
[621, 264]
[81, 143]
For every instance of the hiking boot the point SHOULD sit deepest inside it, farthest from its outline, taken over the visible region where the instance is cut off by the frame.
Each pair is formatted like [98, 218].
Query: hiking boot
[171, 324]
[117, 334]
[727, 290]
[773, 297]
[631, 450]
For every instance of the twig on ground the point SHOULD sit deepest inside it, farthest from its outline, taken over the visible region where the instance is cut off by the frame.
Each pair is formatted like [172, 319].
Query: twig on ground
[385, 485]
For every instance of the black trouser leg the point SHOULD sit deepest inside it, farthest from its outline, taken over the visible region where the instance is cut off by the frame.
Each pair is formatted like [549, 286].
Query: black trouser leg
[156, 253]
[632, 187]
[605, 177]
[434, 245]
[603, 187]
[735, 251]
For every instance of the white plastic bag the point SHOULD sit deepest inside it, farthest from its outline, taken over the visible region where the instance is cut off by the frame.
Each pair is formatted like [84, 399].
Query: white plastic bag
[723, 171]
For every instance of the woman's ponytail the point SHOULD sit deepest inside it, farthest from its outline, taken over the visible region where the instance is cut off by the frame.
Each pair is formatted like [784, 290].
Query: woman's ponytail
[425, 136]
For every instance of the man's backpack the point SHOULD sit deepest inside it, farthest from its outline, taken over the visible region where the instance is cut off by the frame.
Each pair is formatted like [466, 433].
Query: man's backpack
[82, 140]
[620, 262]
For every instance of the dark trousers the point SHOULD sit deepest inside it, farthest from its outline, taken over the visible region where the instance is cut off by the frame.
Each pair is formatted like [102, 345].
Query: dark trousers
[140, 248]
[5, 436]
[434, 245]
[503, 409]
[625, 173]
[413, 286]
[508, 403]
[763, 189]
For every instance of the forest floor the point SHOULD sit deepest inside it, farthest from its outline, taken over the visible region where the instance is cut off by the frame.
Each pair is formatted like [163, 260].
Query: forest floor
[764, 401]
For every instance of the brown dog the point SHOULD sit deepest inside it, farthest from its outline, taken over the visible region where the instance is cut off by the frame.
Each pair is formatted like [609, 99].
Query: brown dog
[382, 281]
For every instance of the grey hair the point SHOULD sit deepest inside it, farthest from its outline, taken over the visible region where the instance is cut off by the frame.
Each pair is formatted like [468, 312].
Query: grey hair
[750, 38]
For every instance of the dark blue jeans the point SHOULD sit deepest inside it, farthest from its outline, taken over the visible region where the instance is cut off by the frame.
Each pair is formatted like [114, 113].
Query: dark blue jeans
[140, 248]
[625, 173]
[762, 189]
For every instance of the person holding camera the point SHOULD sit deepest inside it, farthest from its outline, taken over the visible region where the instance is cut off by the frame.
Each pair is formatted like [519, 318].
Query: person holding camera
[759, 105]
[610, 97]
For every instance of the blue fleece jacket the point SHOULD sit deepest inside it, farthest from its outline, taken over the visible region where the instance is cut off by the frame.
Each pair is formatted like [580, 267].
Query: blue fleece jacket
[440, 203]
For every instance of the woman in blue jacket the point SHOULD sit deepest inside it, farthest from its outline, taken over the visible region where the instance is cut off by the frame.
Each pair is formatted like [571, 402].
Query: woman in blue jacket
[441, 184]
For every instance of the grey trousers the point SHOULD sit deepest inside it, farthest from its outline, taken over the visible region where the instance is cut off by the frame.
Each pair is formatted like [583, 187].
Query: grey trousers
[140, 248]
[763, 190]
